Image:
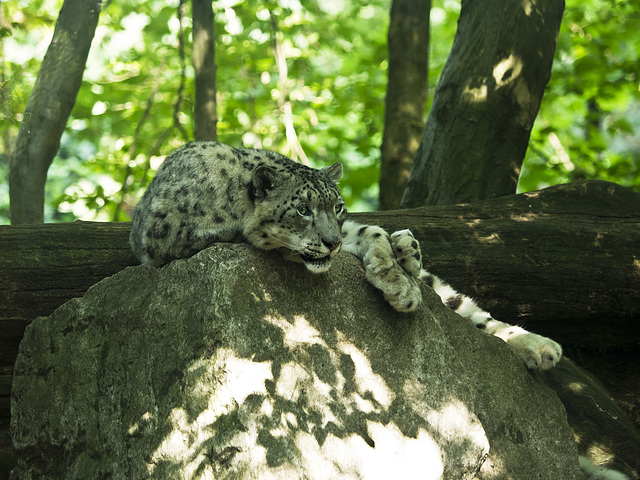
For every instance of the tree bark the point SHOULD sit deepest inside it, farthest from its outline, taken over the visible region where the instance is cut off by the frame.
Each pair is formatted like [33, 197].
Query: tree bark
[48, 109]
[204, 63]
[485, 104]
[408, 41]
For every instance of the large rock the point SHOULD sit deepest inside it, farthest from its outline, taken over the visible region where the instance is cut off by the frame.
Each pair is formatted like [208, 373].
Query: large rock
[603, 431]
[236, 364]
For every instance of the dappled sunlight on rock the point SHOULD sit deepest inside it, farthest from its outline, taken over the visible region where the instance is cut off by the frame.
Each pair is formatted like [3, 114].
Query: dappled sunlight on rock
[300, 332]
[237, 378]
[352, 457]
[333, 435]
[226, 384]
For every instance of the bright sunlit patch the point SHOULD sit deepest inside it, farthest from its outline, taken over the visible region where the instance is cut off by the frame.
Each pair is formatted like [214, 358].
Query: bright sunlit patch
[146, 418]
[437, 16]
[576, 387]
[300, 333]
[352, 457]
[475, 94]
[99, 108]
[155, 162]
[455, 422]
[366, 379]
[233, 25]
[79, 124]
[523, 217]
[561, 155]
[332, 8]
[367, 11]
[507, 70]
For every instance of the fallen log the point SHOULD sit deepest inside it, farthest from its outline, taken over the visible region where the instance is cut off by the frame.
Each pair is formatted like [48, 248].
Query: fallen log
[565, 261]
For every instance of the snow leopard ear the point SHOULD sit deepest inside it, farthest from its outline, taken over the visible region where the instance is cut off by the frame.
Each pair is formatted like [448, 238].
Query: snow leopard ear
[263, 179]
[334, 172]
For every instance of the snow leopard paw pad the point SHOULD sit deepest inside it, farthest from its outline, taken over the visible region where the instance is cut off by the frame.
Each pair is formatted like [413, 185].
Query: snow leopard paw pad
[537, 352]
[400, 289]
[407, 251]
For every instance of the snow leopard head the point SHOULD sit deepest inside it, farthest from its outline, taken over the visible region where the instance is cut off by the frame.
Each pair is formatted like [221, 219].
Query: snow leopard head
[298, 210]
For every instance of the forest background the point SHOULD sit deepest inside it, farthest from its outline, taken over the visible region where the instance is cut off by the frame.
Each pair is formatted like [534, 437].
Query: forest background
[324, 103]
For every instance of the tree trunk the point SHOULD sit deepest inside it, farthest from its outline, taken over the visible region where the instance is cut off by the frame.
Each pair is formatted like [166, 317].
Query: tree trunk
[48, 109]
[204, 63]
[408, 42]
[485, 104]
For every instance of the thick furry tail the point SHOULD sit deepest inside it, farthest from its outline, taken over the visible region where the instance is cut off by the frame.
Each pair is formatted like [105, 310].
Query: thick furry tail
[594, 472]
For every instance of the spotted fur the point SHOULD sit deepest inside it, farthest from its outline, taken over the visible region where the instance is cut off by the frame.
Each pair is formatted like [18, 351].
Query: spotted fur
[536, 351]
[208, 192]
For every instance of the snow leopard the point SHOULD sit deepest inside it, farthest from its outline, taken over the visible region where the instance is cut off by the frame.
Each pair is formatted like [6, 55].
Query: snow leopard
[206, 192]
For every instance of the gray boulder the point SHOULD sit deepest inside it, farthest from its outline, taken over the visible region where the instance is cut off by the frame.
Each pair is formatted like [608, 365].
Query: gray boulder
[234, 364]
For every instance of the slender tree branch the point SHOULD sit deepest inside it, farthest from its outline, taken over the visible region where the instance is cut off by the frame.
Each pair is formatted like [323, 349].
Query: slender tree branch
[183, 74]
[284, 101]
[131, 154]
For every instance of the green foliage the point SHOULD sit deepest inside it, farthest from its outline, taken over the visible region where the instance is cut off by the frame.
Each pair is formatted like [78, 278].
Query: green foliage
[588, 123]
[131, 111]
[335, 85]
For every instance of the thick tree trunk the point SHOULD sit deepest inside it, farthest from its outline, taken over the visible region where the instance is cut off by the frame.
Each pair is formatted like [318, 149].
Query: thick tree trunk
[204, 63]
[406, 96]
[48, 109]
[485, 104]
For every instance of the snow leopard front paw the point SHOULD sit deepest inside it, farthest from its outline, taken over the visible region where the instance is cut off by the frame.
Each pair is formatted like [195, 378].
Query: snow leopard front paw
[537, 352]
[407, 251]
[399, 288]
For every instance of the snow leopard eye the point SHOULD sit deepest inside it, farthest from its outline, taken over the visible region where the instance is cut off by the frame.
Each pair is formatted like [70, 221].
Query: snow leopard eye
[339, 208]
[304, 210]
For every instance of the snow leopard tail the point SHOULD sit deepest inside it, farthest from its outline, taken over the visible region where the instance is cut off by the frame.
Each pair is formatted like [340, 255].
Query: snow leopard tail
[595, 472]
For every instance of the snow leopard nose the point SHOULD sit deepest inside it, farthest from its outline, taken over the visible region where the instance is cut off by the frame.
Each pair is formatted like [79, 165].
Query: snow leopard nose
[331, 245]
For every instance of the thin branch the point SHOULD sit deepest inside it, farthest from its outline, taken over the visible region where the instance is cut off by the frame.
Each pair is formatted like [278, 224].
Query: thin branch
[131, 154]
[183, 73]
[7, 139]
[284, 102]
